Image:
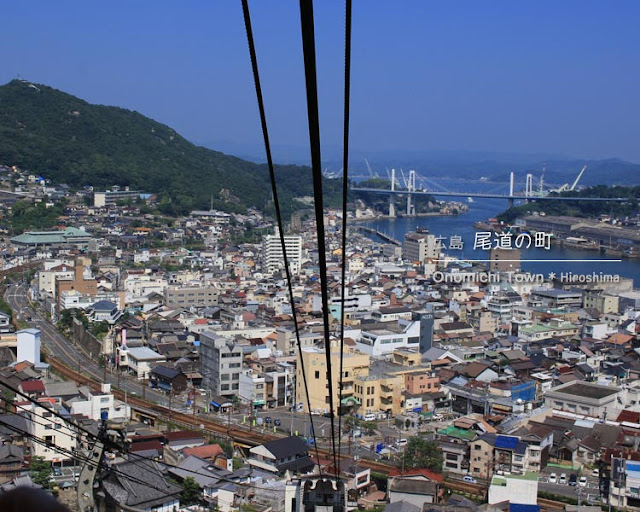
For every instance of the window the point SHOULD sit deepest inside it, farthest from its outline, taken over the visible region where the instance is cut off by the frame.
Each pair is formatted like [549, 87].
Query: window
[317, 374]
[477, 447]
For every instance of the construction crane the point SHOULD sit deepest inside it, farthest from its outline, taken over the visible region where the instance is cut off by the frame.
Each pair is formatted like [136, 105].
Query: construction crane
[371, 173]
[566, 187]
[575, 183]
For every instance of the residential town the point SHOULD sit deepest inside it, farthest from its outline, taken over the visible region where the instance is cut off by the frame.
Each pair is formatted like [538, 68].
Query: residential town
[178, 337]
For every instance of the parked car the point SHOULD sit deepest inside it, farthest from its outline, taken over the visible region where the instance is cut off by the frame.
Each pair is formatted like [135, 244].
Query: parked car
[573, 479]
[583, 481]
[470, 479]
[562, 479]
[370, 416]
[595, 473]
[277, 422]
[553, 478]
[267, 420]
[401, 443]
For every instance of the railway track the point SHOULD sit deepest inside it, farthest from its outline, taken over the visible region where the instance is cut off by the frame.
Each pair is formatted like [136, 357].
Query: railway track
[241, 435]
[550, 505]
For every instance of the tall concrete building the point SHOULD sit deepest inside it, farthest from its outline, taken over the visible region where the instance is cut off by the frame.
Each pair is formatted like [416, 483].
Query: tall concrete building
[420, 247]
[354, 364]
[505, 260]
[272, 253]
[220, 364]
[188, 296]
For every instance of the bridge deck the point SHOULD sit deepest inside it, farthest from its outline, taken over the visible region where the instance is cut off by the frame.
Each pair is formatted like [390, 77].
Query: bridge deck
[485, 195]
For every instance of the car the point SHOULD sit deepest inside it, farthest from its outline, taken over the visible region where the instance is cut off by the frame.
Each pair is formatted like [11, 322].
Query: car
[553, 478]
[470, 479]
[562, 479]
[400, 443]
[57, 471]
[370, 416]
[573, 479]
[583, 481]
[277, 422]
[595, 473]
[267, 420]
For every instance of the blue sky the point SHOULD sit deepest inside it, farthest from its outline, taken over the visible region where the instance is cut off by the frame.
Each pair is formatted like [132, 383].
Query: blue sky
[546, 76]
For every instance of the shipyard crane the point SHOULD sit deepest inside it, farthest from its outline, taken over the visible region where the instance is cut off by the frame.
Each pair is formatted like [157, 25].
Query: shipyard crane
[575, 183]
[566, 187]
[371, 173]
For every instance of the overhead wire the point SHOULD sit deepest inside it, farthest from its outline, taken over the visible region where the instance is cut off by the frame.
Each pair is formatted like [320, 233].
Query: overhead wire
[276, 202]
[75, 455]
[309, 54]
[96, 437]
[345, 184]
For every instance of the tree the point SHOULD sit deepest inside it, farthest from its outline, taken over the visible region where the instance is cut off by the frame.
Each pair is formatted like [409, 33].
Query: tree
[40, 471]
[421, 453]
[190, 492]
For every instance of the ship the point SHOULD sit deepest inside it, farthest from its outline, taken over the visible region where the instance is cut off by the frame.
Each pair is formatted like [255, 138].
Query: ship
[581, 243]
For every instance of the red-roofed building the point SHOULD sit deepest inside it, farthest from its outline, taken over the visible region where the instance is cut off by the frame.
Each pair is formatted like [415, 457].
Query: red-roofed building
[630, 416]
[427, 473]
[32, 388]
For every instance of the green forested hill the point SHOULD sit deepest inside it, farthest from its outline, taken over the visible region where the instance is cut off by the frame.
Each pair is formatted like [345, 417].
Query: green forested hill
[68, 140]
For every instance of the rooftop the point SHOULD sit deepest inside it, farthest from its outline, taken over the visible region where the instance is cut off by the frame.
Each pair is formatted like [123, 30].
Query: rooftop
[585, 390]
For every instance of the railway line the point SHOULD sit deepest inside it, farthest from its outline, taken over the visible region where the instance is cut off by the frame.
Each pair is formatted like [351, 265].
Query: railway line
[244, 437]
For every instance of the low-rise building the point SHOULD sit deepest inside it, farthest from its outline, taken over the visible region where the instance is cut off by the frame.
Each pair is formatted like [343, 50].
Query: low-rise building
[584, 398]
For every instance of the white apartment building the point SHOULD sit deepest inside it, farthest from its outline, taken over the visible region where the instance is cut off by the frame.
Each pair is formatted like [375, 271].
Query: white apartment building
[97, 402]
[252, 389]
[45, 425]
[272, 253]
[383, 338]
[47, 278]
[138, 286]
[138, 360]
[221, 364]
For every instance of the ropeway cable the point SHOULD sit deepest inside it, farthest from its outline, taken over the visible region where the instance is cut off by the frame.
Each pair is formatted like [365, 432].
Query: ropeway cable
[345, 185]
[309, 53]
[276, 202]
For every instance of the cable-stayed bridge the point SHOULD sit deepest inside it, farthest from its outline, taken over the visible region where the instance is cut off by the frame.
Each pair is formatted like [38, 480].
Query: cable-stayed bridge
[419, 186]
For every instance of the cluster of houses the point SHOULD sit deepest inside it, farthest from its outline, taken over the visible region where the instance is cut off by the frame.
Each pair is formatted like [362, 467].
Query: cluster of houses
[510, 373]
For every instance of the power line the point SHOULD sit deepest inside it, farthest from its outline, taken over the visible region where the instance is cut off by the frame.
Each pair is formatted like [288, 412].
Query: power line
[96, 437]
[309, 53]
[276, 203]
[74, 455]
[345, 185]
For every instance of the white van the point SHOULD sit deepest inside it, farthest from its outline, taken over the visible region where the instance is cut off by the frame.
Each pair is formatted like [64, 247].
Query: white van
[370, 416]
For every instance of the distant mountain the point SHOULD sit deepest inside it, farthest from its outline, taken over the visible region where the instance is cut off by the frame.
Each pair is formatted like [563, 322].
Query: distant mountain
[68, 140]
[496, 166]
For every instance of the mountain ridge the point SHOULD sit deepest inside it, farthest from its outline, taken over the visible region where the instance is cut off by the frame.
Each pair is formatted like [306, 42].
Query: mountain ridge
[69, 140]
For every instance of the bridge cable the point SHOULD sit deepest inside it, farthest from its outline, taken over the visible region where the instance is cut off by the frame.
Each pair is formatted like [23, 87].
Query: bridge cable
[345, 185]
[309, 53]
[276, 202]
